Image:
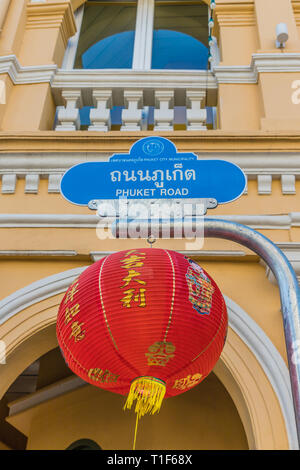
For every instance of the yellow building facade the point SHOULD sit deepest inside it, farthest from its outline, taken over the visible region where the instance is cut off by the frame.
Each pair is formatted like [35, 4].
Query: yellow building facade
[245, 108]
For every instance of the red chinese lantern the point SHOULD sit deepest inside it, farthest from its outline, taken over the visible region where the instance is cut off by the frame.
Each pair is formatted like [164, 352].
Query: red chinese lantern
[148, 323]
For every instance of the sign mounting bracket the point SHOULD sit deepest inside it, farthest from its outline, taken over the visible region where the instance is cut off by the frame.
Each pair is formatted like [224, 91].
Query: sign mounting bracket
[173, 208]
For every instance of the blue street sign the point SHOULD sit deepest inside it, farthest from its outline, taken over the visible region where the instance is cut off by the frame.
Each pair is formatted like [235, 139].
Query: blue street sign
[153, 169]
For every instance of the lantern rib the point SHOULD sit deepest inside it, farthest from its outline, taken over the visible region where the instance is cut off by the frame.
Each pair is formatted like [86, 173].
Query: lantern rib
[103, 308]
[69, 351]
[173, 296]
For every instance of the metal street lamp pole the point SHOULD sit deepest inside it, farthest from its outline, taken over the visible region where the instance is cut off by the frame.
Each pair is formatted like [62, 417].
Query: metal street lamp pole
[288, 287]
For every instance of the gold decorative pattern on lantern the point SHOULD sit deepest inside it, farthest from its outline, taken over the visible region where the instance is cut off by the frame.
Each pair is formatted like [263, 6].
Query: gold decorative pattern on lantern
[200, 289]
[71, 311]
[132, 275]
[133, 259]
[132, 296]
[187, 382]
[77, 331]
[104, 376]
[160, 353]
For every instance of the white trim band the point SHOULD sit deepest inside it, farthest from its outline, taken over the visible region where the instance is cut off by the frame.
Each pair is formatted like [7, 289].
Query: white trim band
[269, 222]
[26, 75]
[286, 62]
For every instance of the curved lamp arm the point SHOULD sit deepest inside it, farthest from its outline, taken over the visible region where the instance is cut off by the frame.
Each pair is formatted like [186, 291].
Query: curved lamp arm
[288, 287]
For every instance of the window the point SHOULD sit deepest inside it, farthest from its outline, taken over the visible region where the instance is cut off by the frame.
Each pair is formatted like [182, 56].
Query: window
[141, 35]
[107, 36]
[180, 37]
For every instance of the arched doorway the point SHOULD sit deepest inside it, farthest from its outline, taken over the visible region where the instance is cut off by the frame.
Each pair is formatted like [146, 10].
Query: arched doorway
[250, 367]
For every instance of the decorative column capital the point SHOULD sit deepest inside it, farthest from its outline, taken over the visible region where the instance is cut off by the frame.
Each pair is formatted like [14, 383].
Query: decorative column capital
[235, 14]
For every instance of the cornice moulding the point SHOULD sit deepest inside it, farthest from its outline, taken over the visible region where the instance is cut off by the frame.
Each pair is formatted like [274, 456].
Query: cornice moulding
[253, 163]
[234, 74]
[235, 5]
[26, 75]
[263, 167]
[204, 142]
[276, 62]
[88, 80]
[292, 250]
[104, 79]
[138, 79]
[261, 63]
[57, 254]
[48, 220]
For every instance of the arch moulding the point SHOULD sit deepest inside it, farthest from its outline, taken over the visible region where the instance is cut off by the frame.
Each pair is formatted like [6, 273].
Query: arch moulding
[250, 367]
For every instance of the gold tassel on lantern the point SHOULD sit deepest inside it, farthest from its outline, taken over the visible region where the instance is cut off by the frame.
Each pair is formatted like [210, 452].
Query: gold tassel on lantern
[149, 393]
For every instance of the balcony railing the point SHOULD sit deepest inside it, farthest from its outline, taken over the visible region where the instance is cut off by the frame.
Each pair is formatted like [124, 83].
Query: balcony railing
[161, 91]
